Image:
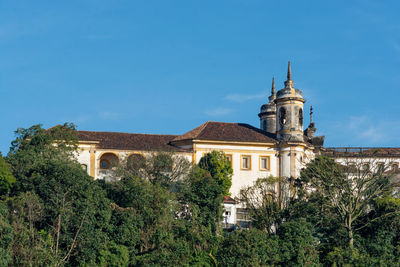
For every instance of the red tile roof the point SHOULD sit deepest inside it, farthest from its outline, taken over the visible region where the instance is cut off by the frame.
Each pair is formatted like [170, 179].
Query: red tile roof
[223, 131]
[213, 131]
[228, 199]
[129, 141]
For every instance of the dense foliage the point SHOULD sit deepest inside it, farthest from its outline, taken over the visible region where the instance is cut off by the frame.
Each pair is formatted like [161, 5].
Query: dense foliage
[6, 177]
[159, 210]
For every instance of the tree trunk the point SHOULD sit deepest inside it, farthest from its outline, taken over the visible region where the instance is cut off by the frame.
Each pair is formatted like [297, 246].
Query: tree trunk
[351, 239]
[350, 232]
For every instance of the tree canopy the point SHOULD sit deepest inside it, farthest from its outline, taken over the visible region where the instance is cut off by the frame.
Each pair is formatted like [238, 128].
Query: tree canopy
[161, 210]
[7, 179]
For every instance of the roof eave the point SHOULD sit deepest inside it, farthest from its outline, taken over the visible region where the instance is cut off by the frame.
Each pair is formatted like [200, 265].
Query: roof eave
[88, 142]
[234, 142]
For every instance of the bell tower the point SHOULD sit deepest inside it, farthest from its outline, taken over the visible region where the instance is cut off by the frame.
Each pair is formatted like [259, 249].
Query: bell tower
[289, 111]
[268, 113]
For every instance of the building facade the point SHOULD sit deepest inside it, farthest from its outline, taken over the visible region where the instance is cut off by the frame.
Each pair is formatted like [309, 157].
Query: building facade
[280, 147]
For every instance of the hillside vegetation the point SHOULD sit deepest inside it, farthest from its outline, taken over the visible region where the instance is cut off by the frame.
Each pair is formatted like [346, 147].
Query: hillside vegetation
[52, 213]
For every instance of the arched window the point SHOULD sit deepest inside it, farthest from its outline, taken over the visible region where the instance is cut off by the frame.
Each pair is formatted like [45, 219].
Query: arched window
[163, 162]
[136, 162]
[301, 117]
[264, 125]
[282, 116]
[84, 167]
[351, 168]
[395, 167]
[380, 167]
[108, 160]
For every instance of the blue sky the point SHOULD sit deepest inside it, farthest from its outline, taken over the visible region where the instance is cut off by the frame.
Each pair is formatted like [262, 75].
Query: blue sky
[165, 67]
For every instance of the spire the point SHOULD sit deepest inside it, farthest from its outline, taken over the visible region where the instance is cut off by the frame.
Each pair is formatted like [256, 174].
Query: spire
[272, 97]
[289, 83]
[311, 112]
[273, 86]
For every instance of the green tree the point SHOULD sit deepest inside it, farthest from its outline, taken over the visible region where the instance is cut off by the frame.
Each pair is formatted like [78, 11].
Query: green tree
[6, 234]
[75, 209]
[329, 228]
[164, 212]
[31, 246]
[248, 248]
[379, 232]
[164, 168]
[114, 255]
[220, 168]
[34, 146]
[144, 222]
[6, 177]
[348, 190]
[298, 246]
[204, 194]
[265, 201]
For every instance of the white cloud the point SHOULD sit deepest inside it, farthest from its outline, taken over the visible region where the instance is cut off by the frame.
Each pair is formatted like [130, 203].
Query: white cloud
[243, 98]
[371, 131]
[108, 115]
[218, 111]
[82, 119]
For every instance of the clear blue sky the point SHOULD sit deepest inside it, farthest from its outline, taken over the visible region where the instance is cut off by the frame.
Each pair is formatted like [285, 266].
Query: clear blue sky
[165, 67]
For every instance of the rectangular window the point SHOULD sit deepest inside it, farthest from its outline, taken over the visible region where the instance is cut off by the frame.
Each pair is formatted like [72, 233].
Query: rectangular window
[380, 167]
[229, 157]
[265, 163]
[245, 162]
[351, 168]
[365, 167]
[243, 218]
[242, 215]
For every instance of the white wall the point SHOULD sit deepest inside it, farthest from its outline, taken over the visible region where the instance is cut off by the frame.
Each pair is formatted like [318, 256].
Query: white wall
[243, 178]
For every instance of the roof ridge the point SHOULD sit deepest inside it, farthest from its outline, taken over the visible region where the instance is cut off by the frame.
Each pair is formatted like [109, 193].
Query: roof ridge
[192, 133]
[83, 131]
[207, 122]
[233, 131]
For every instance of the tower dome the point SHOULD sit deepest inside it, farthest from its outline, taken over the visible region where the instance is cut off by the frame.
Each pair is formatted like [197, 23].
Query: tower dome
[268, 113]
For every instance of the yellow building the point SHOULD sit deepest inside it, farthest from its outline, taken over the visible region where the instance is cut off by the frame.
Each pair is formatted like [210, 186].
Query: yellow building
[278, 148]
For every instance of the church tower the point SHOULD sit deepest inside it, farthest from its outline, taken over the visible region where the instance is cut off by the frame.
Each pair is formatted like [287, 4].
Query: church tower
[268, 113]
[289, 111]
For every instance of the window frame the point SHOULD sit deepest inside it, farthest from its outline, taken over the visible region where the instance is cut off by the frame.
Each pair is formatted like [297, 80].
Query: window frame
[231, 158]
[392, 166]
[268, 158]
[108, 164]
[84, 167]
[380, 167]
[241, 162]
[367, 169]
[136, 154]
[351, 168]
